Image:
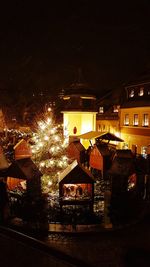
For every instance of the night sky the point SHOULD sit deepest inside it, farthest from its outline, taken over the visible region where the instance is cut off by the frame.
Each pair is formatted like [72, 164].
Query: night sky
[42, 45]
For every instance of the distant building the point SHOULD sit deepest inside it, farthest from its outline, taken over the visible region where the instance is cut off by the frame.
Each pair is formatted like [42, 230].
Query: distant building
[135, 117]
[79, 109]
[107, 118]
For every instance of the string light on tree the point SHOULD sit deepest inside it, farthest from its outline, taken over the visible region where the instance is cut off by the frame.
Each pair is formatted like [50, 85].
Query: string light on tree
[49, 152]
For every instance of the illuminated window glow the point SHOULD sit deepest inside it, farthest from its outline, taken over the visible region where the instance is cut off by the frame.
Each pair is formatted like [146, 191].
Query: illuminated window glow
[126, 119]
[141, 92]
[116, 108]
[101, 109]
[145, 120]
[135, 120]
[131, 94]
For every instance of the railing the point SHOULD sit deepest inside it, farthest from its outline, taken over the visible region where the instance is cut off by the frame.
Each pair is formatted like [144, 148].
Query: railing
[17, 249]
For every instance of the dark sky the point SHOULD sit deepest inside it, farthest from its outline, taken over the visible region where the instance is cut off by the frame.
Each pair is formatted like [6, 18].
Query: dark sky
[42, 44]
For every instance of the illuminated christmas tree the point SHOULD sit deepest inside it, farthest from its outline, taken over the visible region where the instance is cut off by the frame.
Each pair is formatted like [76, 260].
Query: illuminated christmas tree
[49, 152]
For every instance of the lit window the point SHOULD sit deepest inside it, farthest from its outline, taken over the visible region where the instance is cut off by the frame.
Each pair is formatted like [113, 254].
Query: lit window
[131, 94]
[99, 128]
[145, 120]
[144, 151]
[141, 92]
[126, 119]
[101, 109]
[148, 92]
[135, 120]
[116, 108]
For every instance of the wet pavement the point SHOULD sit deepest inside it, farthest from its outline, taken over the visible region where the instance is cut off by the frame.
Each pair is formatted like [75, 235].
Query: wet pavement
[122, 247]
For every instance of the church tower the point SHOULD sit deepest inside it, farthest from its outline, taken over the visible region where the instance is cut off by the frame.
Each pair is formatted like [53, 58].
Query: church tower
[79, 109]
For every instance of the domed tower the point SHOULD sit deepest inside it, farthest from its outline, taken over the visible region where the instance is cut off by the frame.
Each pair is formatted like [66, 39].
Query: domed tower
[79, 109]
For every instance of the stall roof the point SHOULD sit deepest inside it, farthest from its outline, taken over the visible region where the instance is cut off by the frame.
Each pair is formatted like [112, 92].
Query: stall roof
[78, 145]
[23, 169]
[124, 153]
[76, 173]
[110, 137]
[100, 136]
[90, 135]
[122, 166]
[104, 150]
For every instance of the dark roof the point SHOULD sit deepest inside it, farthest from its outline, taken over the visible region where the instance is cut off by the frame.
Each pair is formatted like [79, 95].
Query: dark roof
[79, 88]
[122, 166]
[136, 103]
[78, 145]
[140, 79]
[76, 173]
[104, 150]
[109, 137]
[123, 163]
[23, 169]
[124, 153]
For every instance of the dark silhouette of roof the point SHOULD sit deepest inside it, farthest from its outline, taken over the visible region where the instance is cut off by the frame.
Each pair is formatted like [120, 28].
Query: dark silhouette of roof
[76, 173]
[23, 169]
[123, 163]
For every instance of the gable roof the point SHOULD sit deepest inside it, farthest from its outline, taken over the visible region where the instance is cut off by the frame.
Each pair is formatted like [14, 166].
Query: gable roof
[104, 150]
[78, 145]
[23, 169]
[100, 136]
[122, 166]
[76, 173]
[124, 153]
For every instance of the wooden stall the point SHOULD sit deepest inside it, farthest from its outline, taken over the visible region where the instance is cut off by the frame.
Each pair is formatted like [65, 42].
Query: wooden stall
[76, 186]
[101, 158]
[76, 151]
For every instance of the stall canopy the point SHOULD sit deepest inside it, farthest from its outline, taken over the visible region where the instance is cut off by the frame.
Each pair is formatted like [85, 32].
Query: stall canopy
[109, 137]
[76, 150]
[76, 173]
[23, 169]
[100, 136]
[89, 135]
[123, 163]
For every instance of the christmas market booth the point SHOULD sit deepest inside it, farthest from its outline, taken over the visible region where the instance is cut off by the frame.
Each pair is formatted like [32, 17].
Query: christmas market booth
[76, 151]
[23, 169]
[100, 159]
[76, 186]
[124, 204]
[23, 179]
[122, 171]
[101, 151]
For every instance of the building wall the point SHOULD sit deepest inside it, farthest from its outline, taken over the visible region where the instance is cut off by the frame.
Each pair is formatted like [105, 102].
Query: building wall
[108, 126]
[135, 135]
[83, 121]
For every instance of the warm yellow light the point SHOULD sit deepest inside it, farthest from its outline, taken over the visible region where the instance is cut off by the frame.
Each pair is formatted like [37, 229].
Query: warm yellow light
[51, 162]
[42, 164]
[52, 149]
[64, 158]
[46, 138]
[88, 97]
[40, 144]
[60, 163]
[56, 138]
[53, 131]
[42, 126]
[49, 183]
[49, 121]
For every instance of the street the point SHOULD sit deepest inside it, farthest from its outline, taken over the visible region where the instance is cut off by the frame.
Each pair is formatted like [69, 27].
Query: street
[128, 246]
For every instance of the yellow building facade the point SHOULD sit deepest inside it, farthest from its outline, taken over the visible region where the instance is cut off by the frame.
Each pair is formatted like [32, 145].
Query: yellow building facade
[135, 118]
[79, 111]
[135, 128]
